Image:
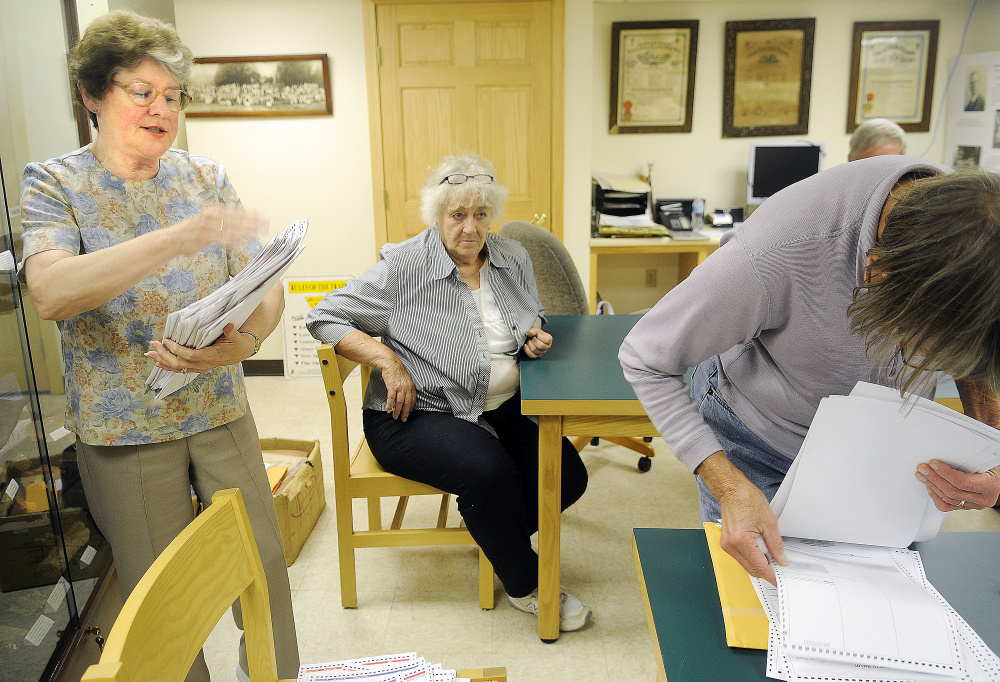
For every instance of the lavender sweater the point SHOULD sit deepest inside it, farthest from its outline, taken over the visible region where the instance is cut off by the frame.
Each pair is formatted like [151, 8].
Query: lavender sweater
[771, 304]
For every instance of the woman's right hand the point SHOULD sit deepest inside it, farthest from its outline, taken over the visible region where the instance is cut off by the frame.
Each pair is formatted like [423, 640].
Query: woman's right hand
[401, 393]
[217, 224]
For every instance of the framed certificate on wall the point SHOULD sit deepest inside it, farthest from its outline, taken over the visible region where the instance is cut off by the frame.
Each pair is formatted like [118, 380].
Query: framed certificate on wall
[652, 76]
[768, 75]
[892, 73]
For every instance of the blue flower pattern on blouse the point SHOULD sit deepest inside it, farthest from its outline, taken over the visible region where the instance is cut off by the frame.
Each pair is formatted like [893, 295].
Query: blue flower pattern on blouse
[147, 223]
[123, 303]
[133, 437]
[181, 281]
[118, 403]
[224, 385]
[138, 333]
[102, 359]
[196, 423]
[180, 209]
[74, 204]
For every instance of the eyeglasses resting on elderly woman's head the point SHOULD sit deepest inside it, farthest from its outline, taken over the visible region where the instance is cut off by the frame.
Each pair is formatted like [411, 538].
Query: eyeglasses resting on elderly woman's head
[144, 95]
[461, 178]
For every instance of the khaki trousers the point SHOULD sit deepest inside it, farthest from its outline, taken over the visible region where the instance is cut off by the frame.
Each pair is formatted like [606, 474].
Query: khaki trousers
[140, 497]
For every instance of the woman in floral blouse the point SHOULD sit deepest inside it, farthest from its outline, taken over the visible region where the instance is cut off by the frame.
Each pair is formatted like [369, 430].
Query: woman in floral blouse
[117, 235]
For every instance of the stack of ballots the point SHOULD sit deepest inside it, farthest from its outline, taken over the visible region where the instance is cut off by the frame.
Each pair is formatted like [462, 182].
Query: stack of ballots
[853, 603]
[201, 323]
[406, 667]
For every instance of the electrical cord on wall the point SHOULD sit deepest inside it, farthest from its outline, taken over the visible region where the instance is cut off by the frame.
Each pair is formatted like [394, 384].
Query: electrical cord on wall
[947, 85]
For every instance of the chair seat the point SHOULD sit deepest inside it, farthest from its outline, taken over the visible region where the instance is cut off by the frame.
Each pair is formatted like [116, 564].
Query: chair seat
[367, 473]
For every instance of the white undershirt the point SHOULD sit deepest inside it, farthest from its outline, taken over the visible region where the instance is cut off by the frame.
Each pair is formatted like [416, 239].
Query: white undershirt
[505, 376]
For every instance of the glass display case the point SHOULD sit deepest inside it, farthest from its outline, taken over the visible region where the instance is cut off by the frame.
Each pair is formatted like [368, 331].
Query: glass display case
[51, 553]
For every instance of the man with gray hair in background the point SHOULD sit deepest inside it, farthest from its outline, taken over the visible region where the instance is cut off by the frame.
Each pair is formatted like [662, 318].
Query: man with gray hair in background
[876, 137]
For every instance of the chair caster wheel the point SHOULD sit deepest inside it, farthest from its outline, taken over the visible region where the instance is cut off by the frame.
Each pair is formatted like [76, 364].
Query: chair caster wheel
[645, 463]
[595, 441]
[647, 439]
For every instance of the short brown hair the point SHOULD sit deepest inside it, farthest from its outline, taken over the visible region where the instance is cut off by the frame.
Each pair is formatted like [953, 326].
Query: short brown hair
[932, 290]
[120, 40]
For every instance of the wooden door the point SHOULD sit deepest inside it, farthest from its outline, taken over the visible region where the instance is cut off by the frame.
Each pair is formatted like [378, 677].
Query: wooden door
[464, 77]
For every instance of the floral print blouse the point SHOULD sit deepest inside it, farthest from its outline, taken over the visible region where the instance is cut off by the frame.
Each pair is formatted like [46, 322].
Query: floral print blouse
[74, 204]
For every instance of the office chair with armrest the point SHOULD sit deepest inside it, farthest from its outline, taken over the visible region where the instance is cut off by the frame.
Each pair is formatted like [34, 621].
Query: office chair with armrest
[561, 292]
[175, 606]
[359, 476]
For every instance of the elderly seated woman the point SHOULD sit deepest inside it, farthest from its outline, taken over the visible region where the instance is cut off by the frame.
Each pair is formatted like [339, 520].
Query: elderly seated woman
[457, 309]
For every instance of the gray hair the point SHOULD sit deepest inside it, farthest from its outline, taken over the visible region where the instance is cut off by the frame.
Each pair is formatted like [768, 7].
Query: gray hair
[120, 40]
[437, 197]
[932, 291]
[875, 133]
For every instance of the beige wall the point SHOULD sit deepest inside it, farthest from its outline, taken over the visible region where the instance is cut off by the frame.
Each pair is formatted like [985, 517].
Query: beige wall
[290, 168]
[321, 166]
[702, 163]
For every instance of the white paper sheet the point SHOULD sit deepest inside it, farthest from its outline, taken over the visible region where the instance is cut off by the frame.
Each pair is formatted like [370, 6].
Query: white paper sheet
[199, 325]
[854, 477]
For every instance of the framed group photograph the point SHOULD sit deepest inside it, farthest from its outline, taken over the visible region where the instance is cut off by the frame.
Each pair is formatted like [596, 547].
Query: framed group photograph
[652, 76]
[280, 85]
[768, 74]
[892, 73]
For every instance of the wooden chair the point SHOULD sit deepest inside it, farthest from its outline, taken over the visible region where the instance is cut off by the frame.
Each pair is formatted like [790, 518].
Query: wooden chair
[358, 475]
[561, 292]
[189, 587]
[175, 606]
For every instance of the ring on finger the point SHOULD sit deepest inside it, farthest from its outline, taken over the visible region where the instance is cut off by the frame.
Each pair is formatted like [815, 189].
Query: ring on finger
[185, 369]
[961, 504]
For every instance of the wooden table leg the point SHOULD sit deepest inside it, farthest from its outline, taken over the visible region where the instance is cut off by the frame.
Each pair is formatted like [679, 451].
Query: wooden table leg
[549, 509]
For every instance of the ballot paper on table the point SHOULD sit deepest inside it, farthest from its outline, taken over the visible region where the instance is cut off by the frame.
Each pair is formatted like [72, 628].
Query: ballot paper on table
[854, 477]
[854, 613]
[198, 325]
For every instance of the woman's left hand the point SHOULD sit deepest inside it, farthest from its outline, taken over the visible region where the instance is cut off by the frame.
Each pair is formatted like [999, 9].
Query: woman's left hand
[230, 348]
[538, 342]
[952, 489]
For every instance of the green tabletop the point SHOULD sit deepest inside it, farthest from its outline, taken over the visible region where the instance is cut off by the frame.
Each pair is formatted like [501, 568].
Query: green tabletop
[583, 362]
[684, 599]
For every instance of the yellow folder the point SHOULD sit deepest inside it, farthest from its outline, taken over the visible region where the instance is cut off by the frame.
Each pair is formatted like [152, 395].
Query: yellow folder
[745, 619]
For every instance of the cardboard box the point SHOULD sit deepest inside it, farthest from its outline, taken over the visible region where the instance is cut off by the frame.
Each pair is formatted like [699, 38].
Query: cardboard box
[33, 558]
[301, 498]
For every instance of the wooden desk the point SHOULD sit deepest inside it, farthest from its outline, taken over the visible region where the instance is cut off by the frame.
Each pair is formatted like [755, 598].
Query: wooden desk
[690, 253]
[577, 388]
[685, 618]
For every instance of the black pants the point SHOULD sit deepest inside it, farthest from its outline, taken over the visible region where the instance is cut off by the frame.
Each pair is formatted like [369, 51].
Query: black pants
[495, 481]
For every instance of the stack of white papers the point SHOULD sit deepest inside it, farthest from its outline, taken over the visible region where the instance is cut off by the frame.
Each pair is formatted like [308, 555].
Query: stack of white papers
[201, 323]
[396, 668]
[854, 477]
[851, 613]
[853, 604]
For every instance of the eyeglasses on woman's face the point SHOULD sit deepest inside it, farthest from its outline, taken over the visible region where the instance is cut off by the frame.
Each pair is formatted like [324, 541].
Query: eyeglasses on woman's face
[462, 178]
[144, 95]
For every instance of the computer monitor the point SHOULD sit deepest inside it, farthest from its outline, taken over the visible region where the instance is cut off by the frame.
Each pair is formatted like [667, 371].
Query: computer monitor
[776, 165]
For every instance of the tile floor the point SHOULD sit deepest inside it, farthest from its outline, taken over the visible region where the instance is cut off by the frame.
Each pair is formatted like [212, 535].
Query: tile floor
[425, 599]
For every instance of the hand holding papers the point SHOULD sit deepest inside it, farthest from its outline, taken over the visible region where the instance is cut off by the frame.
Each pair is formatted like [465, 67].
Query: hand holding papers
[853, 479]
[201, 323]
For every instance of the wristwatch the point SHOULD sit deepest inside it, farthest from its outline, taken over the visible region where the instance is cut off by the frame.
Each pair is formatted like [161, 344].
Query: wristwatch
[256, 342]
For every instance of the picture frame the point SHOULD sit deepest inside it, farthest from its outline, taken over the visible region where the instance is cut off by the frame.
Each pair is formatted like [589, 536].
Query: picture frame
[892, 73]
[768, 77]
[652, 76]
[276, 85]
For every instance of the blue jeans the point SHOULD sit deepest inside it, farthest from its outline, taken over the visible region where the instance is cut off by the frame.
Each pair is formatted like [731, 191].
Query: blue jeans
[764, 466]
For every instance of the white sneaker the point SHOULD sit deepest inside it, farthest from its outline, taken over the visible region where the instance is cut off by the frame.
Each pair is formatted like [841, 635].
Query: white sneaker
[572, 612]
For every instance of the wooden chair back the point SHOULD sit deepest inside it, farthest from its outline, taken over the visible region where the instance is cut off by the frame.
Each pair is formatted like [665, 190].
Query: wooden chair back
[173, 609]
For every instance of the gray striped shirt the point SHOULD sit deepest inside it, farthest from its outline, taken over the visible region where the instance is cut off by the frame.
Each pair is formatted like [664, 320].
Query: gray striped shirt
[414, 299]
